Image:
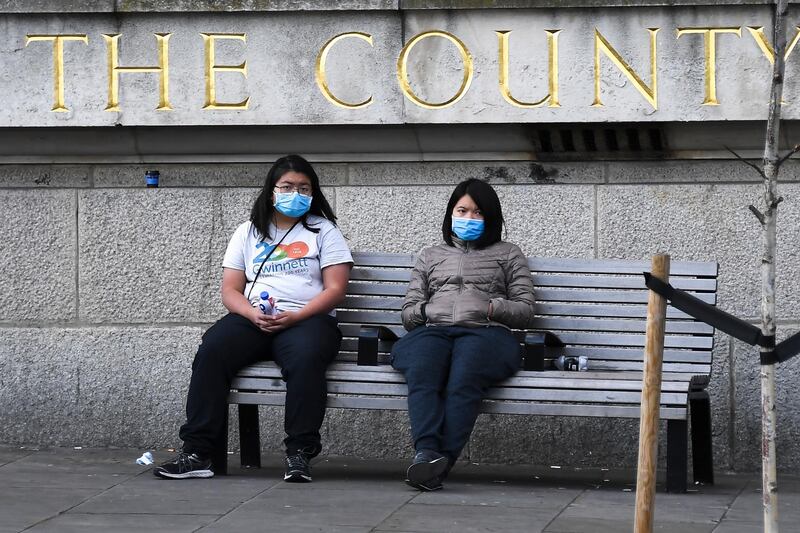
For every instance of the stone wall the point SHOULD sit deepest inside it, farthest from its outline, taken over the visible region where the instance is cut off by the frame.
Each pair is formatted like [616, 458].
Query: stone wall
[107, 287]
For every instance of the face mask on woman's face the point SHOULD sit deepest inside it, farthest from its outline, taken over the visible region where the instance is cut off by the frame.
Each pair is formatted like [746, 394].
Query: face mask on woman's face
[292, 204]
[467, 229]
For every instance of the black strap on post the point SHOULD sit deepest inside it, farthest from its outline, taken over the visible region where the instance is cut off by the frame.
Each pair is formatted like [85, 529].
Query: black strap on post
[704, 312]
[788, 348]
[726, 322]
[767, 356]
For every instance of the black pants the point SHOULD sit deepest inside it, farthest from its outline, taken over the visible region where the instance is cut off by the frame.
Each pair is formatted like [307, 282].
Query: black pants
[448, 370]
[303, 352]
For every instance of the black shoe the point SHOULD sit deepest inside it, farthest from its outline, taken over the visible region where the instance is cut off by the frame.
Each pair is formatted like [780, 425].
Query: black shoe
[297, 468]
[185, 465]
[426, 471]
[427, 486]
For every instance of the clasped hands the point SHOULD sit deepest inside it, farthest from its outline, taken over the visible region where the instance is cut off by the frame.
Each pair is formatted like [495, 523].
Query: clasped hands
[273, 323]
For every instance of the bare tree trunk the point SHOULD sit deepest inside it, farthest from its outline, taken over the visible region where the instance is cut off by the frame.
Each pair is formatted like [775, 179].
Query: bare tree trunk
[768, 221]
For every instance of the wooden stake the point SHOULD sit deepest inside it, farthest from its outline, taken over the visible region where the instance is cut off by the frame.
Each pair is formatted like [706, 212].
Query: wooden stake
[651, 400]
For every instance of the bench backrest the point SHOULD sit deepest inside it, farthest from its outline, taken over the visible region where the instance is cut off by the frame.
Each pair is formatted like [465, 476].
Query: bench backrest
[598, 307]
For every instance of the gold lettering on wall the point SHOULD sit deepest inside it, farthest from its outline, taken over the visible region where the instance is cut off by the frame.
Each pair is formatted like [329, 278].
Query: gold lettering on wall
[402, 69]
[114, 70]
[765, 46]
[552, 63]
[209, 40]
[710, 44]
[58, 63]
[601, 44]
[322, 80]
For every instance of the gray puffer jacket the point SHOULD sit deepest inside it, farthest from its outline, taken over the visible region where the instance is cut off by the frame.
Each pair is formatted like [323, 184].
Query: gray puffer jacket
[453, 285]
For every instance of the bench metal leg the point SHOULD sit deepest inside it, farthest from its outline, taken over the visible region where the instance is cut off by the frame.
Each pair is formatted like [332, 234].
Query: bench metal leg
[702, 452]
[219, 458]
[677, 452]
[250, 441]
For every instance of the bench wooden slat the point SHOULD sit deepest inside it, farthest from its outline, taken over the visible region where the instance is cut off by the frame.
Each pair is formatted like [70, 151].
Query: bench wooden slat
[495, 393]
[593, 324]
[599, 310]
[350, 346]
[539, 280]
[391, 318]
[638, 365]
[369, 274]
[269, 369]
[605, 365]
[619, 266]
[551, 378]
[604, 296]
[609, 339]
[619, 282]
[377, 289]
[366, 302]
[597, 353]
[563, 409]
[351, 330]
[492, 407]
[548, 379]
[384, 260]
[547, 308]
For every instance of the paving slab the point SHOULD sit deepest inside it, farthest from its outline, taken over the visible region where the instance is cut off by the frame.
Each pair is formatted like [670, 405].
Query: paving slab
[315, 508]
[22, 507]
[73, 469]
[607, 525]
[465, 519]
[133, 523]
[346, 473]
[10, 454]
[147, 494]
[605, 503]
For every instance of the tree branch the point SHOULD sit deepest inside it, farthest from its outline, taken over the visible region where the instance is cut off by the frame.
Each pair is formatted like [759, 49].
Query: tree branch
[790, 154]
[748, 163]
[759, 215]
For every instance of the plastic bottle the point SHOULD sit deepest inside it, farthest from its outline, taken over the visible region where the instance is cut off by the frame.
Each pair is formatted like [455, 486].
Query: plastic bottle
[572, 363]
[151, 179]
[266, 303]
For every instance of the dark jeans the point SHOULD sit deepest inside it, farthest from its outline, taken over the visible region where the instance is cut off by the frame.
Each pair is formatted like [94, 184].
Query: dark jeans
[448, 370]
[303, 352]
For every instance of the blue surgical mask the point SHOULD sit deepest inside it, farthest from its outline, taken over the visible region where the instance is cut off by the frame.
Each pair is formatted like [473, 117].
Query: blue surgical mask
[467, 229]
[292, 204]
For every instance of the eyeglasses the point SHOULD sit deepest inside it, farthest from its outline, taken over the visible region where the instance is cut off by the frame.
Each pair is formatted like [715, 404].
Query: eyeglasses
[305, 190]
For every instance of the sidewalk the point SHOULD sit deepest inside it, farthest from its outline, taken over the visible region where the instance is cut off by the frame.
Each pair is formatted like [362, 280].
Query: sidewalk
[65, 490]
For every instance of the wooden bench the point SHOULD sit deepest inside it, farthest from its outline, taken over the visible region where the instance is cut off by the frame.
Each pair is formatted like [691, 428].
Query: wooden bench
[596, 307]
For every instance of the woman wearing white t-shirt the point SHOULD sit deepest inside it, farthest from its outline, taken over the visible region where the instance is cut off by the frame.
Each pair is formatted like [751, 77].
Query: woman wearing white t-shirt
[292, 250]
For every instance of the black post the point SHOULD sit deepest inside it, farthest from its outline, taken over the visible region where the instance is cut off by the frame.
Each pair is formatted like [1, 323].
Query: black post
[249, 438]
[702, 452]
[677, 452]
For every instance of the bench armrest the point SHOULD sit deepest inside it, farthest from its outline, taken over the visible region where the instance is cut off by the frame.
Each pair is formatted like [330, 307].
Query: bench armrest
[368, 337]
[540, 345]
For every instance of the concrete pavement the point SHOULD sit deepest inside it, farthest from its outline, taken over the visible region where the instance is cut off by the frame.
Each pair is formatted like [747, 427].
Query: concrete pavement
[85, 490]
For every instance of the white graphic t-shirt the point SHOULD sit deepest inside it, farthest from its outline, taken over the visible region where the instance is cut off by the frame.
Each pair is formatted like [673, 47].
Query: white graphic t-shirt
[292, 274]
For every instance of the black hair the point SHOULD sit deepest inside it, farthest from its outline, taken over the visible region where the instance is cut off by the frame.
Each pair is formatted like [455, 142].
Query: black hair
[487, 201]
[263, 210]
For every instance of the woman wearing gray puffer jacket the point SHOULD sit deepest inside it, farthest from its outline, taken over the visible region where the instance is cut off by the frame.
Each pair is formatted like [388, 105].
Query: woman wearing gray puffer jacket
[463, 298]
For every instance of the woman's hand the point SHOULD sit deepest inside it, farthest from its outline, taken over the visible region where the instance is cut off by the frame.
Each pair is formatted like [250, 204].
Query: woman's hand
[259, 319]
[281, 321]
[272, 323]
